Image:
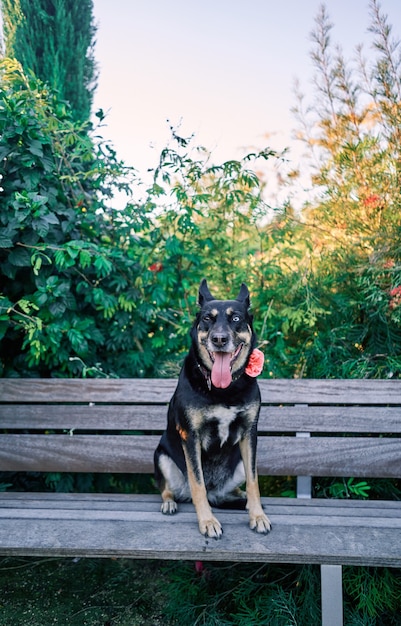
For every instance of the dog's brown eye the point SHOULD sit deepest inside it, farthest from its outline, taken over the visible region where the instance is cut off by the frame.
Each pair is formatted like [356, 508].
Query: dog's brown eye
[206, 318]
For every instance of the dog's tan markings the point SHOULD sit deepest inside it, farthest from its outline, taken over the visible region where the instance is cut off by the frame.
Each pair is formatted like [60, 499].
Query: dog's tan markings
[244, 338]
[209, 525]
[196, 417]
[258, 520]
[229, 311]
[183, 433]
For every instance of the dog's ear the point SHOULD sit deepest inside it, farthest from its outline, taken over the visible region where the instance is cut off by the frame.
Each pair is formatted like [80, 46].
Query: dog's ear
[243, 295]
[204, 293]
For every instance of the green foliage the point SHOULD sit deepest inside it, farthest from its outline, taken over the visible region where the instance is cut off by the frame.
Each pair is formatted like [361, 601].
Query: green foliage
[55, 40]
[354, 224]
[374, 593]
[91, 290]
[253, 594]
[69, 278]
[239, 595]
[94, 290]
[345, 488]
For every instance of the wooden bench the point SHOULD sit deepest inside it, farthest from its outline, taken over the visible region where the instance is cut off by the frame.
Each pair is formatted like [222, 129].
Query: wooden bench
[307, 428]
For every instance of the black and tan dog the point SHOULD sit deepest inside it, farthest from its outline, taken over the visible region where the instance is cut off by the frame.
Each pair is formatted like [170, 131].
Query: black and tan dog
[209, 446]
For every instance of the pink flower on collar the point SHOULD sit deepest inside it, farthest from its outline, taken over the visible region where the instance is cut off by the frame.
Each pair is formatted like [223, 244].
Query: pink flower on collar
[255, 363]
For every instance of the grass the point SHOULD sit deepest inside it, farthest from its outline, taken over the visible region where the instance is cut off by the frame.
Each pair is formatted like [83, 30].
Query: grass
[121, 592]
[80, 592]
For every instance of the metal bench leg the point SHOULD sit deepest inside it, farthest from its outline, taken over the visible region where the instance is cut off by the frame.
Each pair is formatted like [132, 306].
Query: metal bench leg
[332, 595]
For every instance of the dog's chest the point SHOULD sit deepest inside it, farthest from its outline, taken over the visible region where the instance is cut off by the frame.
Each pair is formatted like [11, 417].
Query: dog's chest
[221, 424]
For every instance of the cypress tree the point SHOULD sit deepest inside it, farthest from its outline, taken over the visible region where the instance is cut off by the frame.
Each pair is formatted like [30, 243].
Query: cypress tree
[55, 39]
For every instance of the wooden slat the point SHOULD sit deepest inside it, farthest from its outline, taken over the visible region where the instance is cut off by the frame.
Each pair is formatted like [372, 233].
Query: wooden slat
[83, 417]
[145, 512]
[278, 456]
[154, 417]
[330, 419]
[326, 392]
[79, 453]
[148, 391]
[150, 502]
[313, 532]
[330, 456]
[107, 390]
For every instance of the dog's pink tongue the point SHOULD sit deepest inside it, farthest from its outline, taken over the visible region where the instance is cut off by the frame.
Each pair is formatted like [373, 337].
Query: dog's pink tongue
[221, 371]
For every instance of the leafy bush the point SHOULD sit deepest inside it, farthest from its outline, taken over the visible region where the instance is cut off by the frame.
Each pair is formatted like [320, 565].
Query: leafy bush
[73, 296]
[355, 221]
[242, 594]
[96, 291]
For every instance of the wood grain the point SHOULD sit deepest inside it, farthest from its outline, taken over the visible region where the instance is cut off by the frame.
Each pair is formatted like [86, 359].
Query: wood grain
[79, 453]
[99, 417]
[130, 526]
[84, 417]
[277, 456]
[147, 391]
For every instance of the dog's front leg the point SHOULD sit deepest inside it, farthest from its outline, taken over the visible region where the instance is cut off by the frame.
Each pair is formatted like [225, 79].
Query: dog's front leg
[209, 525]
[258, 520]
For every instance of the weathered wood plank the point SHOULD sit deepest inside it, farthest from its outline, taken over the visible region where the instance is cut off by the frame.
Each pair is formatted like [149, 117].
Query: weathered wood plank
[289, 391]
[79, 453]
[330, 419]
[330, 456]
[316, 536]
[154, 417]
[278, 456]
[151, 502]
[96, 417]
[326, 392]
[230, 518]
[108, 390]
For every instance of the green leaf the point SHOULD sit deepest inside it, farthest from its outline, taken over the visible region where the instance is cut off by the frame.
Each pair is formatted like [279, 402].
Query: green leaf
[36, 148]
[62, 259]
[20, 257]
[103, 265]
[57, 308]
[5, 241]
[85, 258]
[78, 341]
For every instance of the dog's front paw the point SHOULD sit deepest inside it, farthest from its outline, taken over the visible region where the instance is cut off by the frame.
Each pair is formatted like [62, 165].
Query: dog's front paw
[260, 523]
[211, 528]
[169, 507]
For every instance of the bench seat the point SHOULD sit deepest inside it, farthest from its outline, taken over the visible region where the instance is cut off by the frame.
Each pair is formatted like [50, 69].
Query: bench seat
[304, 530]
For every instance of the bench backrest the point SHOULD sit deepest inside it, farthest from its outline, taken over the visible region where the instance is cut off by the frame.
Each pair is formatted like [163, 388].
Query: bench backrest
[306, 427]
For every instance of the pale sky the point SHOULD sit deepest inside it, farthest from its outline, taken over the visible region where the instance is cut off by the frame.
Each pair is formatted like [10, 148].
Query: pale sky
[226, 68]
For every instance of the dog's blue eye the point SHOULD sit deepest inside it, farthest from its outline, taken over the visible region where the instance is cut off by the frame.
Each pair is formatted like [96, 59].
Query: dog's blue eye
[235, 318]
[206, 318]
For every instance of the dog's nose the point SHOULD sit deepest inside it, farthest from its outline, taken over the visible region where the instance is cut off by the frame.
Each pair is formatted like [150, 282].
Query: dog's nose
[219, 339]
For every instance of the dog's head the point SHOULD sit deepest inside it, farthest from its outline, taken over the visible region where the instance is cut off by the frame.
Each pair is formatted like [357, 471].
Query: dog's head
[223, 336]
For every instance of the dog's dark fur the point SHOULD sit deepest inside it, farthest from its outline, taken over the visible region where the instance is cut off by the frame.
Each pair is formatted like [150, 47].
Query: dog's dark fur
[209, 446]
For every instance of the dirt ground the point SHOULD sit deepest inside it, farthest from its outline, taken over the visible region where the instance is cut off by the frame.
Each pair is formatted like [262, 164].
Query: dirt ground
[80, 592]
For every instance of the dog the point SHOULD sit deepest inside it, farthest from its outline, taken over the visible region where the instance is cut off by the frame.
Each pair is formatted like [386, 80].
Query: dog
[208, 449]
